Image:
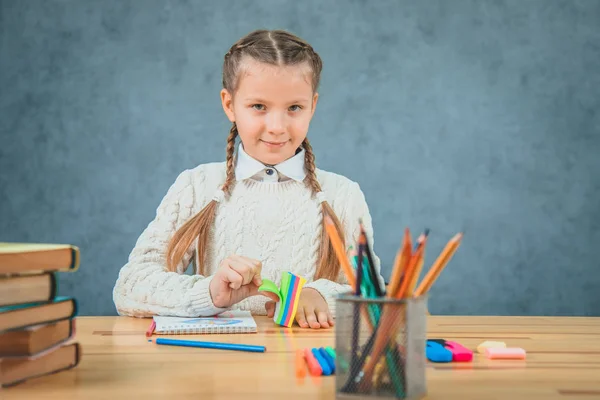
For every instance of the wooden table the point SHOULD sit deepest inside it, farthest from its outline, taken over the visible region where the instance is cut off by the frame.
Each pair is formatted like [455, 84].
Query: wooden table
[563, 362]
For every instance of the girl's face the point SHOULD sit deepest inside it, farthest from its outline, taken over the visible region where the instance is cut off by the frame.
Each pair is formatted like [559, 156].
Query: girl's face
[272, 109]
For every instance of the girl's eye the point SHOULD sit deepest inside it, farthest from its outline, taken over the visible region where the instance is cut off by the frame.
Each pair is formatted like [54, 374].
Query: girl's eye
[258, 107]
[295, 107]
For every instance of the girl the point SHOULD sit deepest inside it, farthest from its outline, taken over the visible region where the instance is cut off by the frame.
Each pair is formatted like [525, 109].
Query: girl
[258, 214]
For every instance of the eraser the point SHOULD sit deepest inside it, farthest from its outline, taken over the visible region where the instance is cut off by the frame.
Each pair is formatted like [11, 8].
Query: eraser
[488, 344]
[439, 341]
[435, 352]
[505, 353]
[459, 352]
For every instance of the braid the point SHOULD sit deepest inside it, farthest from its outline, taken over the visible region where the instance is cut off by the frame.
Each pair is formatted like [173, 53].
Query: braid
[328, 266]
[309, 166]
[200, 225]
[233, 133]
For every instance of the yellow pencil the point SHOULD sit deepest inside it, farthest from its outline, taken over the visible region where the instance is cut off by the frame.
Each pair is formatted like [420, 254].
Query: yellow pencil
[439, 265]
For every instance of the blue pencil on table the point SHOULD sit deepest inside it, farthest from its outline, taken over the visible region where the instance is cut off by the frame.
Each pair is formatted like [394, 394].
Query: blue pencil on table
[211, 345]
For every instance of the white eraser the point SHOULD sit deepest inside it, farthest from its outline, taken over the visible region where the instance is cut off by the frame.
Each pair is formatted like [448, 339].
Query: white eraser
[489, 344]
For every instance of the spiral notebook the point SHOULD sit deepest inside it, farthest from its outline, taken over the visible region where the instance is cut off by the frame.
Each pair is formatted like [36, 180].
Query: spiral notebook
[234, 321]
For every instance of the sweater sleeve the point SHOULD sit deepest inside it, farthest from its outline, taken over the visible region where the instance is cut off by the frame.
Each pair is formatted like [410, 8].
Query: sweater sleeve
[356, 209]
[144, 286]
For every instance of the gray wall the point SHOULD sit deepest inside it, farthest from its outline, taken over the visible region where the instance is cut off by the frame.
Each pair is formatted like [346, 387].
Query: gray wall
[475, 115]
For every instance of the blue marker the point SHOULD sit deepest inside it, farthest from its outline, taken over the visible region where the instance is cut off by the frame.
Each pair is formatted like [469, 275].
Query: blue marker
[330, 361]
[322, 362]
[212, 345]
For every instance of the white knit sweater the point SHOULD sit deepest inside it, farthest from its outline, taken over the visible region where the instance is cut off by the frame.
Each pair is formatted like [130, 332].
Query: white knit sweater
[277, 223]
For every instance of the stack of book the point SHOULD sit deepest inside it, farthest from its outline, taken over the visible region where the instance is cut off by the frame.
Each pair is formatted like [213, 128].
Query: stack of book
[37, 327]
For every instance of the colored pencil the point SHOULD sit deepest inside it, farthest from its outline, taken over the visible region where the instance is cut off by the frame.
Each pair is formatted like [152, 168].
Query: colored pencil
[356, 307]
[211, 345]
[391, 321]
[439, 265]
[379, 291]
[385, 320]
[411, 269]
[338, 246]
[400, 262]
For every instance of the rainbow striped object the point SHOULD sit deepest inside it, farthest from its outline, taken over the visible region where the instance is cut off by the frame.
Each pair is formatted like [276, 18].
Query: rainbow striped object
[288, 294]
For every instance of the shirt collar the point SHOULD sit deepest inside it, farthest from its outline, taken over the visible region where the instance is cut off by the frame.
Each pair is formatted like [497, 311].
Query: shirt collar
[246, 166]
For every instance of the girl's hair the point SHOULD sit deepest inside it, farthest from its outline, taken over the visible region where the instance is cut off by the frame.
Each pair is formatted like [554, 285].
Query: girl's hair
[280, 48]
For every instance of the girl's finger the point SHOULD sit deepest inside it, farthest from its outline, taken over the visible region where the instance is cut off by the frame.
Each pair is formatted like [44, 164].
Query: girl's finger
[330, 318]
[311, 318]
[322, 318]
[270, 307]
[235, 279]
[301, 318]
[243, 269]
[255, 265]
[248, 268]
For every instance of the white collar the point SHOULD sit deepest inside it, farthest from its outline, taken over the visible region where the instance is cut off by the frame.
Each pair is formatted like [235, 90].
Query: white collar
[246, 166]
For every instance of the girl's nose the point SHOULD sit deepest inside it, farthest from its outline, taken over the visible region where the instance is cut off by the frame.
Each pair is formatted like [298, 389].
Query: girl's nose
[275, 123]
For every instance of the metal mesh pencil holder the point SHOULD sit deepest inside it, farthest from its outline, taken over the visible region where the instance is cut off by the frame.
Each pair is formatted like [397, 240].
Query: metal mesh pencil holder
[380, 347]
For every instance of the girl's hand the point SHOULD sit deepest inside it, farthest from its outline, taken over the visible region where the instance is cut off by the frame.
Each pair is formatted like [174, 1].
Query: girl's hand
[312, 311]
[238, 277]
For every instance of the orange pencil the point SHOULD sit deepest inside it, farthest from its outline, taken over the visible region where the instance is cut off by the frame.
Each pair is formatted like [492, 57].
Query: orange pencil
[439, 264]
[419, 264]
[400, 262]
[411, 268]
[339, 251]
[418, 269]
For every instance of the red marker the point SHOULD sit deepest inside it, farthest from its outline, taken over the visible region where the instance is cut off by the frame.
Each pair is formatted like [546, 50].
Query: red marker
[313, 365]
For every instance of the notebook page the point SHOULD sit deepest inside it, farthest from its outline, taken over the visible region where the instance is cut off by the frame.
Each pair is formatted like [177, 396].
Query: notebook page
[234, 321]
